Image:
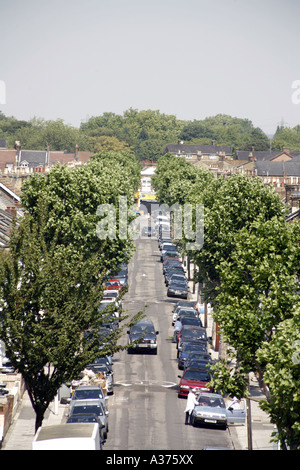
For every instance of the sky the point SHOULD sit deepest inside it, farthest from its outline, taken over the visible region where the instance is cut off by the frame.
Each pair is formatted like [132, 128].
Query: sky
[74, 59]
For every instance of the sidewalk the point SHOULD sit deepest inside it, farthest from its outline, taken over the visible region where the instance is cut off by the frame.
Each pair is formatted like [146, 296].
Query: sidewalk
[21, 432]
[261, 430]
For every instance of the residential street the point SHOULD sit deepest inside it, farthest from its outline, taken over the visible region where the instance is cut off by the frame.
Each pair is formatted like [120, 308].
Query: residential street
[145, 412]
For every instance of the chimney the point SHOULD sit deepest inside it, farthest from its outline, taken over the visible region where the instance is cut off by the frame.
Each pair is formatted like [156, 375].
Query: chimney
[11, 210]
[48, 154]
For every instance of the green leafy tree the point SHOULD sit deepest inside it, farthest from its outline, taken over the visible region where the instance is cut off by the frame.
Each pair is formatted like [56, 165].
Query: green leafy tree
[281, 359]
[230, 204]
[73, 197]
[51, 278]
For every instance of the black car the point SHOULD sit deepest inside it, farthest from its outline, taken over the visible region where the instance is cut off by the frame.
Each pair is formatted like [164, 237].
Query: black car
[171, 261]
[197, 363]
[178, 289]
[190, 320]
[143, 336]
[194, 334]
[171, 271]
[190, 348]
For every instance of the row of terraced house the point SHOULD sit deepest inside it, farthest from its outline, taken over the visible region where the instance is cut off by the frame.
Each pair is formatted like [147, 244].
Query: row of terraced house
[280, 169]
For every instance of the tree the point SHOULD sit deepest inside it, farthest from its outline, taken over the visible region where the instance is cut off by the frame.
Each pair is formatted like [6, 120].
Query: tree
[230, 204]
[175, 179]
[51, 278]
[257, 300]
[73, 197]
[48, 307]
[281, 359]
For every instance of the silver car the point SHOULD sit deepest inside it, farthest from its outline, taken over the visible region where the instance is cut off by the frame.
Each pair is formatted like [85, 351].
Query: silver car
[89, 393]
[212, 411]
[91, 407]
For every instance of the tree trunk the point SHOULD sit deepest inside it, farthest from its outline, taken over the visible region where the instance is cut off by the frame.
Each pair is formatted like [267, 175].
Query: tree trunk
[39, 416]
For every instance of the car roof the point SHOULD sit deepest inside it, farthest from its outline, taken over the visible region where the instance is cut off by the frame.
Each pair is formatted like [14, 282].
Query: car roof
[210, 395]
[144, 322]
[89, 387]
[87, 403]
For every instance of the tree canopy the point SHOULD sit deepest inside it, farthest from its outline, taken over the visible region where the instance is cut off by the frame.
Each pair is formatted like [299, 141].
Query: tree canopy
[144, 132]
[51, 278]
[249, 269]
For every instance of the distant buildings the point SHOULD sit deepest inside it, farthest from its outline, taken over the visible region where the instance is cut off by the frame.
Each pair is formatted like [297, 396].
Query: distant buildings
[279, 169]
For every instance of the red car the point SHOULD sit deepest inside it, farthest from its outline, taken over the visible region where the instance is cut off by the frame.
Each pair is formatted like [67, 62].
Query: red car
[194, 378]
[113, 284]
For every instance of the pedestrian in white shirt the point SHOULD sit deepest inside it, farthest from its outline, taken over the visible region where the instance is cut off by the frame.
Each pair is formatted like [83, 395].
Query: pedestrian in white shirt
[190, 404]
[177, 329]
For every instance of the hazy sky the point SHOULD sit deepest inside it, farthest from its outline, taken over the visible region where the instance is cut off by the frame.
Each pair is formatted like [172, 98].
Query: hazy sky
[73, 59]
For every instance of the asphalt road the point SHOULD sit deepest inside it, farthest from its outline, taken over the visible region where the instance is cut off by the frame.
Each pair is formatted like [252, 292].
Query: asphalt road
[145, 412]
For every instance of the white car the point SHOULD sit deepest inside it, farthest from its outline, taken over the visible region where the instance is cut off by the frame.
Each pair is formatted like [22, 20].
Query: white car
[212, 411]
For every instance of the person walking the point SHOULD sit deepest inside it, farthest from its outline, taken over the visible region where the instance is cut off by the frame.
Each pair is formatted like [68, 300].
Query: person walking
[177, 329]
[190, 404]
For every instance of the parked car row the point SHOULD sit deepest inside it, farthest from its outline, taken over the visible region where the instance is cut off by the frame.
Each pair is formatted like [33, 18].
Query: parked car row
[173, 271]
[88, 402]
[195, 361]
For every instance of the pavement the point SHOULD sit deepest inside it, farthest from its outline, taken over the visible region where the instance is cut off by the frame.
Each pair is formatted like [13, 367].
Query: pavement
[257, 436]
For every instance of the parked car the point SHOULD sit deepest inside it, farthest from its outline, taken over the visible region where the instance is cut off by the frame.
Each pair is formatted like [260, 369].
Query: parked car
[186, 312]
[188, 349]
[146, 336]
[190, 320]
[178, 289]
[197, 363]
[113, 284]
[172, 270]
[193, 334]
[184, 304]
[102, 360]
[212, 411]
[194, 378]
[202, 332]
[111, 304]
[178, 276]
[201, 354]
[94, 407]
[89, 393]
[171, 262]
[89, 418]
[122, 276]
[169, 254]
[108, 375]
[163, 238]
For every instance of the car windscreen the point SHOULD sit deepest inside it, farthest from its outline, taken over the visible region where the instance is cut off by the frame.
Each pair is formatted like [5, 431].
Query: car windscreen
[199, 375]
[142, 329]
[82, 419]
[87, 394]
[96, 409]
[213, 402]
[193, 333]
